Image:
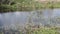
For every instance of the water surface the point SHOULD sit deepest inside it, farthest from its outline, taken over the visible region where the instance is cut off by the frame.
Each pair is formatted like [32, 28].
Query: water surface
[13, 18]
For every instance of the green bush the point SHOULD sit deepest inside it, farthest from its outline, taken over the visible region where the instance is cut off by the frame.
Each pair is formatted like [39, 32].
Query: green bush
[6, 8]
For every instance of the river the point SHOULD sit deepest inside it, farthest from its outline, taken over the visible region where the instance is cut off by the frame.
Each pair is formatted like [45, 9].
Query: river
[11, 19]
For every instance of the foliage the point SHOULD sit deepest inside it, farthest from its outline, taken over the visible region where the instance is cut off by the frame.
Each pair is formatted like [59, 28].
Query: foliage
[42, 31]
[25, 5]
[6, 8]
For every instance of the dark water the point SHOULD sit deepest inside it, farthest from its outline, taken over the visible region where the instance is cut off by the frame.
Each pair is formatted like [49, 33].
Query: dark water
[11, 19]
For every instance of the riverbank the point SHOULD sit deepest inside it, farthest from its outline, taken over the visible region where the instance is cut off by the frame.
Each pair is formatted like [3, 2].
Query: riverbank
[28, 7]
[32, 31]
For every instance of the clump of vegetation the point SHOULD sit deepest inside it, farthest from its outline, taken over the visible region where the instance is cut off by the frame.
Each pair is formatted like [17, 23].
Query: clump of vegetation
[6, 8]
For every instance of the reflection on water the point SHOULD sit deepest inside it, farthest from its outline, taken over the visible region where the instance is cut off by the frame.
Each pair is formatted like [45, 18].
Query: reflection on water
[12, 18]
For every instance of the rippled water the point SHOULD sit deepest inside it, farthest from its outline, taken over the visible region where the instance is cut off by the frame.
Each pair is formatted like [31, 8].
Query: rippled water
[21, 18]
